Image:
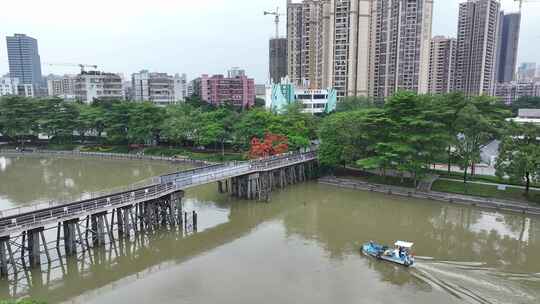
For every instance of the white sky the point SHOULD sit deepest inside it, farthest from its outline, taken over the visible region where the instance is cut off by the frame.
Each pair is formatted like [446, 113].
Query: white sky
[179, 36]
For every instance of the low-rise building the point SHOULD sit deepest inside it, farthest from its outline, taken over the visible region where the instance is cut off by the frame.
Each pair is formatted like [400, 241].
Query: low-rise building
[314, 101]
[219, 90]
[509, 92]
[13, 87]
[62, 86]
[159, 88]
[8, 86]
[93, 85]
[527, 116]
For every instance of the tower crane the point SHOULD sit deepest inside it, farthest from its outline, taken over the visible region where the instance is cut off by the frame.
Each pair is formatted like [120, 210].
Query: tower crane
[80, 65]
[276, 19]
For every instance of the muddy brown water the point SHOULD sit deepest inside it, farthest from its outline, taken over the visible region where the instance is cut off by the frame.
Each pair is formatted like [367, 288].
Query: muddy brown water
[302, 247]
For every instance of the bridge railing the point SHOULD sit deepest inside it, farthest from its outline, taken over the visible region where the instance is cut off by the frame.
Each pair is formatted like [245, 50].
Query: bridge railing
[59, 213]
[85, 196]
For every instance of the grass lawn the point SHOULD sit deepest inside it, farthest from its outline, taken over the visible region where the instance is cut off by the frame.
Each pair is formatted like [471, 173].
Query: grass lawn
[485, 191]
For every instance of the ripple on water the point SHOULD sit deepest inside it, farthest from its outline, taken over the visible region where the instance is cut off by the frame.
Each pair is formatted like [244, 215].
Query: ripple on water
[471, 282]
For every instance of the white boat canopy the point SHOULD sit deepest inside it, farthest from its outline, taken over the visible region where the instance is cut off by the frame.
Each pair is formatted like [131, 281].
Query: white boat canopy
[404, 244]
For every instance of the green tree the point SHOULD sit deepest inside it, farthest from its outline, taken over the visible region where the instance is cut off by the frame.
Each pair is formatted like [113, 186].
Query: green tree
[116, 122]
[448, 107]
[58, 118]
[299, 128]
[350, 136]
[519, 154]
[144, 122]
[479, 122]
[415, 136]
[525, 102]
[354, 103]
[181, 123]
[18, 117]
[254, 123]
[217, 127]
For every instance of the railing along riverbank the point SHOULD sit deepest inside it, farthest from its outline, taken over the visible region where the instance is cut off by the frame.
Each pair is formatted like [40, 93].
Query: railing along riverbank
[102, 155]
[489, 203]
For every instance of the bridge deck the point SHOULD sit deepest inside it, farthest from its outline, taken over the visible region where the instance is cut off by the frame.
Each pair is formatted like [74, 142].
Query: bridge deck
[26, 218]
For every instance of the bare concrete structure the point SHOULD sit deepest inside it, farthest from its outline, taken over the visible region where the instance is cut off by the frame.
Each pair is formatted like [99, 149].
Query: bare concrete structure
[441, 65]
[476, 53]
[278, 59]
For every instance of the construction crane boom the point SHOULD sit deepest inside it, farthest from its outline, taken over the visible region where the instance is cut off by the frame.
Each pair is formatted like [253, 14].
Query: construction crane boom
[276, 19]
[80, 65]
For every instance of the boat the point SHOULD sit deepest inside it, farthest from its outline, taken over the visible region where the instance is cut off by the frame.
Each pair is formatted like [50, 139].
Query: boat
[400, 254]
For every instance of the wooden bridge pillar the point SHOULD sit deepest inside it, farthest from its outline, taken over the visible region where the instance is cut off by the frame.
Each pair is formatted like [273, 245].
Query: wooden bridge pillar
[98, 228]
[4, 243]
[124, 221]
[34, 251]
[176, 207]
[70, 240]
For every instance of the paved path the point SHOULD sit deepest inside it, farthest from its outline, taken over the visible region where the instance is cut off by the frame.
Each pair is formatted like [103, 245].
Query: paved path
[490, 184]
[479, 169]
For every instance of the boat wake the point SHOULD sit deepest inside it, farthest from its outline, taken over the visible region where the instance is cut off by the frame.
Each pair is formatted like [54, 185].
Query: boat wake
[477, 283]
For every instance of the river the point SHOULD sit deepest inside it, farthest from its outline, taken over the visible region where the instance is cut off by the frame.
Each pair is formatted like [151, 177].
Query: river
[302, 247]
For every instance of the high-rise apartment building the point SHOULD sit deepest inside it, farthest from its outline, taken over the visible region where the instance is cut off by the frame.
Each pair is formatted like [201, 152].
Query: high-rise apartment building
[509, 27]
[400, 46]
[304, 42]
[24, 61]
[441, 63]
[360, 47]
[346, 46]
[278, 59]
[476, 50]
[93, 85]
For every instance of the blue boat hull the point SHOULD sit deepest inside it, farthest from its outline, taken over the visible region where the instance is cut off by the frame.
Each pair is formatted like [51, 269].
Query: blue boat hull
[384, 253]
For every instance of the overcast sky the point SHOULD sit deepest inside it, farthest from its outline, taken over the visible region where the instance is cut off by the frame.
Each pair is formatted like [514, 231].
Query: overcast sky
[179, 36]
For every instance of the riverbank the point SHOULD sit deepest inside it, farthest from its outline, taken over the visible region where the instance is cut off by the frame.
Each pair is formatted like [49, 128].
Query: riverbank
[489, 203]
[488, 190]
[101, 155]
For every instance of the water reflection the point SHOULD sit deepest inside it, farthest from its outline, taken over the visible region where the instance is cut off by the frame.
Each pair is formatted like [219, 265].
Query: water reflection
[4, 163]
[27, 180]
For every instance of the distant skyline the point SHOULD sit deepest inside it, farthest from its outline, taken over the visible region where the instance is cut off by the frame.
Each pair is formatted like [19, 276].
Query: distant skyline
[180, 36]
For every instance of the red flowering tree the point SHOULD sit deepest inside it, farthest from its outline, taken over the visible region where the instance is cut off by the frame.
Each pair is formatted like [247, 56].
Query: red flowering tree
[272, 144]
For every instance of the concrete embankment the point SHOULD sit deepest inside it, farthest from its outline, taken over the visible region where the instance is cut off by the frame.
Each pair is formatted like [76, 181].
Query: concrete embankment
[482, 202]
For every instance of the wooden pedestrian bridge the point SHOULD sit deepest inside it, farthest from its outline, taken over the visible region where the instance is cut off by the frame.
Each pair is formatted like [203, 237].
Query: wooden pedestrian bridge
[148, 205]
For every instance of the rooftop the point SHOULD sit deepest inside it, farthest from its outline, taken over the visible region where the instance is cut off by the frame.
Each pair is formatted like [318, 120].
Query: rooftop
[529, 113]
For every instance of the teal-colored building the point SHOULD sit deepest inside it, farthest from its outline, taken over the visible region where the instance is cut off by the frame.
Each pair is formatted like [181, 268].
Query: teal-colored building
[315, 101]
